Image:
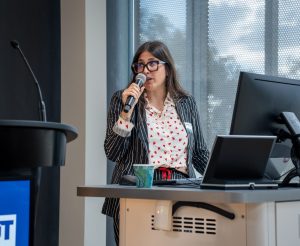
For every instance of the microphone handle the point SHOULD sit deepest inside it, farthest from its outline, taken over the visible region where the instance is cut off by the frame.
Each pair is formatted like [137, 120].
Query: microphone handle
[130, 100]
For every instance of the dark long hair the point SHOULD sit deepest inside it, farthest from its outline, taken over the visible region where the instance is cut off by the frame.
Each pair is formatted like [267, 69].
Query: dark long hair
[159, 50]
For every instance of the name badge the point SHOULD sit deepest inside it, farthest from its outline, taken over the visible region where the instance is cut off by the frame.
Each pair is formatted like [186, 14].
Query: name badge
[188, 126]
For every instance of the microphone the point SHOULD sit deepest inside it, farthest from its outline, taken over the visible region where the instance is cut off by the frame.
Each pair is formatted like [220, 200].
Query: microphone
[139, 80]
[42, 108]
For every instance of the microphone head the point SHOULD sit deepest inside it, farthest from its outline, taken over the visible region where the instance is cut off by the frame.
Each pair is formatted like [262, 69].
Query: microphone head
[140, 79]
[14, 44]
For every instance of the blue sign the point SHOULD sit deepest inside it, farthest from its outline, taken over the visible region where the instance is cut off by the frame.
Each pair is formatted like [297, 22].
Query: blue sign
[14, 212]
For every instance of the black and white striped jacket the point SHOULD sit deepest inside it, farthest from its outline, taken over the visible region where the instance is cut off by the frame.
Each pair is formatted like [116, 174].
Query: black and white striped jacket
[126, 151]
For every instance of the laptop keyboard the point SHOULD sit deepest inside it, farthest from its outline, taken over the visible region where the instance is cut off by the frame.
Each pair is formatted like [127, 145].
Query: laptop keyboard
[187, 181]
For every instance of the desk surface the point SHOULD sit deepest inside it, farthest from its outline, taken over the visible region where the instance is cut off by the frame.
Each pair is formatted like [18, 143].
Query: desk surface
[191, 194]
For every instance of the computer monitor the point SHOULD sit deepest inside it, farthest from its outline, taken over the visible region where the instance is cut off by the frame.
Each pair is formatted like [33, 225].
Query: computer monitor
[259, 101]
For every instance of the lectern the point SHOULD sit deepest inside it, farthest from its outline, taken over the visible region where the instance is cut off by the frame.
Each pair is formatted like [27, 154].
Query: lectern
[29, 146]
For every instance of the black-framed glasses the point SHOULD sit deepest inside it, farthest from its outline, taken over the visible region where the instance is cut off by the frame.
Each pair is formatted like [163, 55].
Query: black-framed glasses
[152, 66]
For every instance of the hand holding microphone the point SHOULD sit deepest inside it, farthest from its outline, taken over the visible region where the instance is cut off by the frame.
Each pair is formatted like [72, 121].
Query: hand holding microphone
[131, 95]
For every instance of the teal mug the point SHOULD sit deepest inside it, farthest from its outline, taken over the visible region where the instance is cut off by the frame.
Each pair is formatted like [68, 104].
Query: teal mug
[144, 175]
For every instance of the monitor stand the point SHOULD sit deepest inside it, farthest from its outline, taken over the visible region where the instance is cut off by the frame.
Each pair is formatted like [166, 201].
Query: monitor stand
[295, 172]
[293, 125]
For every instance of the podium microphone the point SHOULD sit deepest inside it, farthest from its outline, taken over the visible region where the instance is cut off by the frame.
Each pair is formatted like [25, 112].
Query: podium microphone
[42, 108]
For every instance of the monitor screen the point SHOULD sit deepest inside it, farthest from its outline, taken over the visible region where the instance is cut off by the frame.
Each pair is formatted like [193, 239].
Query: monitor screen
[259, 101]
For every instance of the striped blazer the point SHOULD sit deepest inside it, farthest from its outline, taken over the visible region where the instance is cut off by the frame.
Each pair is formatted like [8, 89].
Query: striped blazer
[126, 151]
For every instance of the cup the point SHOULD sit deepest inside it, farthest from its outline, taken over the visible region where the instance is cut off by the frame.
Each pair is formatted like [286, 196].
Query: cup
[144, 175]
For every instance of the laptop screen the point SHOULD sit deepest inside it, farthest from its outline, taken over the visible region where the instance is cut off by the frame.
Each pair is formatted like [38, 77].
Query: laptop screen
[238, 157]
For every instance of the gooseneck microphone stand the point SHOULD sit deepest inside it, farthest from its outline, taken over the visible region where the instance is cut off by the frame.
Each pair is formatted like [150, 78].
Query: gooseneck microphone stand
[37, 171]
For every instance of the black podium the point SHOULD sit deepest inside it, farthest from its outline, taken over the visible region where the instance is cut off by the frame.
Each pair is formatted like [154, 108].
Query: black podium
[25, 148]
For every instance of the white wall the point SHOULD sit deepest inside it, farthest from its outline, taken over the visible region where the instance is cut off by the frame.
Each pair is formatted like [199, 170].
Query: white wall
[83, 58]
[95, 171]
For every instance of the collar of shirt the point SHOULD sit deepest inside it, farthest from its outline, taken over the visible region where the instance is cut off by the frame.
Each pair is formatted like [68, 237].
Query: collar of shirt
[167, 103]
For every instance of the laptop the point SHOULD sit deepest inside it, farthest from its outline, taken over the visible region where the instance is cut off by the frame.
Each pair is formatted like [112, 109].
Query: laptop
[239, 162]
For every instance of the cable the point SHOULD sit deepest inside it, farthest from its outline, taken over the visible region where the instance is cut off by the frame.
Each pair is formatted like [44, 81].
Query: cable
[203, 205]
